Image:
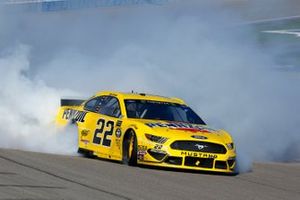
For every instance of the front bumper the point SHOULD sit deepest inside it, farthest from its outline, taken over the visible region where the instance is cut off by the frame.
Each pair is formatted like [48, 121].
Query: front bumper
[164, 156]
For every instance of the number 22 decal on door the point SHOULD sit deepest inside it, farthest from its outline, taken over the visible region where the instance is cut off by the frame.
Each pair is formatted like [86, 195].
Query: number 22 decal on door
[101, 125]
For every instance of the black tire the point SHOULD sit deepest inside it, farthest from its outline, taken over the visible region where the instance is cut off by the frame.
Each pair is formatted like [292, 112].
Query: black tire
[85, 153]
[130, 149]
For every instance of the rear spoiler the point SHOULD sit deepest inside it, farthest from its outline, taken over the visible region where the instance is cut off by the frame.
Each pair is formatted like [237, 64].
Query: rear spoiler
[71, 102]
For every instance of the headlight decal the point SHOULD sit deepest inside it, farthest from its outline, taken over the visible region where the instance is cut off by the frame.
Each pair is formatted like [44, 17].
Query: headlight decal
[230, 146]
[157, 139]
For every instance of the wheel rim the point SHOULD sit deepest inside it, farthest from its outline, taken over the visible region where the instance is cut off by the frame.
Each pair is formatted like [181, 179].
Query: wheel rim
[130, 148]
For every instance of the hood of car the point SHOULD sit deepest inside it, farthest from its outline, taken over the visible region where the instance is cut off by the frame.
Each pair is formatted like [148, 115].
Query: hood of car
[183, 131]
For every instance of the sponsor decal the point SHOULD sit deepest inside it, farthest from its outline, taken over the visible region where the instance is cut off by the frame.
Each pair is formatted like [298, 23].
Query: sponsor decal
[118, 132]
[181, 126]
[140, 156]
[74, 115]
[142, 148]
[119, 123]
[194, 130]
[142, 151]
[198, 154]
[85, 132]
[85, 141]
[118, 143]
[158, 146]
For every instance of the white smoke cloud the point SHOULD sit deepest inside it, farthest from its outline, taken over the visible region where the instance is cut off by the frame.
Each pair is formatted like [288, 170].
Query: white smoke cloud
[28, 109]
[192, 52]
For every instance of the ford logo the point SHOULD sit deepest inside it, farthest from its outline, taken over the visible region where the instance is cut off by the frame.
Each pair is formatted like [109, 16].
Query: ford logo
[200, 146]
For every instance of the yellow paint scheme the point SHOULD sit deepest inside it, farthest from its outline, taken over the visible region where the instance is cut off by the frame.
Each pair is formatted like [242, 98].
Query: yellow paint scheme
[87, 128]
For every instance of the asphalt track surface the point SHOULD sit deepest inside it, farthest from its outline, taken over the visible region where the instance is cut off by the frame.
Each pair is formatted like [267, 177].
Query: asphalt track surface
[37, 176]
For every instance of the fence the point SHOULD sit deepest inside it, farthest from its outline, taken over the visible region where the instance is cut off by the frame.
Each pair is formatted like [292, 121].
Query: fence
[60, 5]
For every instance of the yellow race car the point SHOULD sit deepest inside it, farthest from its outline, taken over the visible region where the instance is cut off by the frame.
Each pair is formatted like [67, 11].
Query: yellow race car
[149, 130]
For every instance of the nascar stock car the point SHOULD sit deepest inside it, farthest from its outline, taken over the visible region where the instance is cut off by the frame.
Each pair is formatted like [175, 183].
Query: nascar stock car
[149, 130]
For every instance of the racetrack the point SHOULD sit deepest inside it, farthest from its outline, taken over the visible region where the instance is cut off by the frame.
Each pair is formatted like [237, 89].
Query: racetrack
[27, 175]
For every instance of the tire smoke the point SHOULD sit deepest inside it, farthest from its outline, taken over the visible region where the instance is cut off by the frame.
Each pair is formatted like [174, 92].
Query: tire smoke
[28, 108]
[186, 50]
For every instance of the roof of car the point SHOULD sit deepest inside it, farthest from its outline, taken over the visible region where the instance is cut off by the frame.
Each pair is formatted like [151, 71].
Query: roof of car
[143, 96]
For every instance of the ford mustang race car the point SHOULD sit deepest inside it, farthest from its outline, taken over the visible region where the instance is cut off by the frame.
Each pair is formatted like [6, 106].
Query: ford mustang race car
[149, 130]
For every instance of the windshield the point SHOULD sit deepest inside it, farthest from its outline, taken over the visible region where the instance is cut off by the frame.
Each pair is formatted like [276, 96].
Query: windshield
[144, 109]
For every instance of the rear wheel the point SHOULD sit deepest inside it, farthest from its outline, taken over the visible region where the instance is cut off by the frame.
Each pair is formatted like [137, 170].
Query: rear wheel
[86, 153]
[130, 149]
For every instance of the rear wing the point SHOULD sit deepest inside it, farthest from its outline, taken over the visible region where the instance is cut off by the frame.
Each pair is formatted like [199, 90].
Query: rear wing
[71, 102]
[70, 111]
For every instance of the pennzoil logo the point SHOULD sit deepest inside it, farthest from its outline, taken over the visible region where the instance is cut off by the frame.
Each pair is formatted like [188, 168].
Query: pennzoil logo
[74, 115]
[181, 126]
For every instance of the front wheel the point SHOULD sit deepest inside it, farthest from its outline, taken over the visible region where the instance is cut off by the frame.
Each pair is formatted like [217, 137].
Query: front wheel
[130, 149]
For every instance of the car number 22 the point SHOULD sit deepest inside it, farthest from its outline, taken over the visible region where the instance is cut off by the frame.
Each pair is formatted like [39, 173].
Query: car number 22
[101, 126]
